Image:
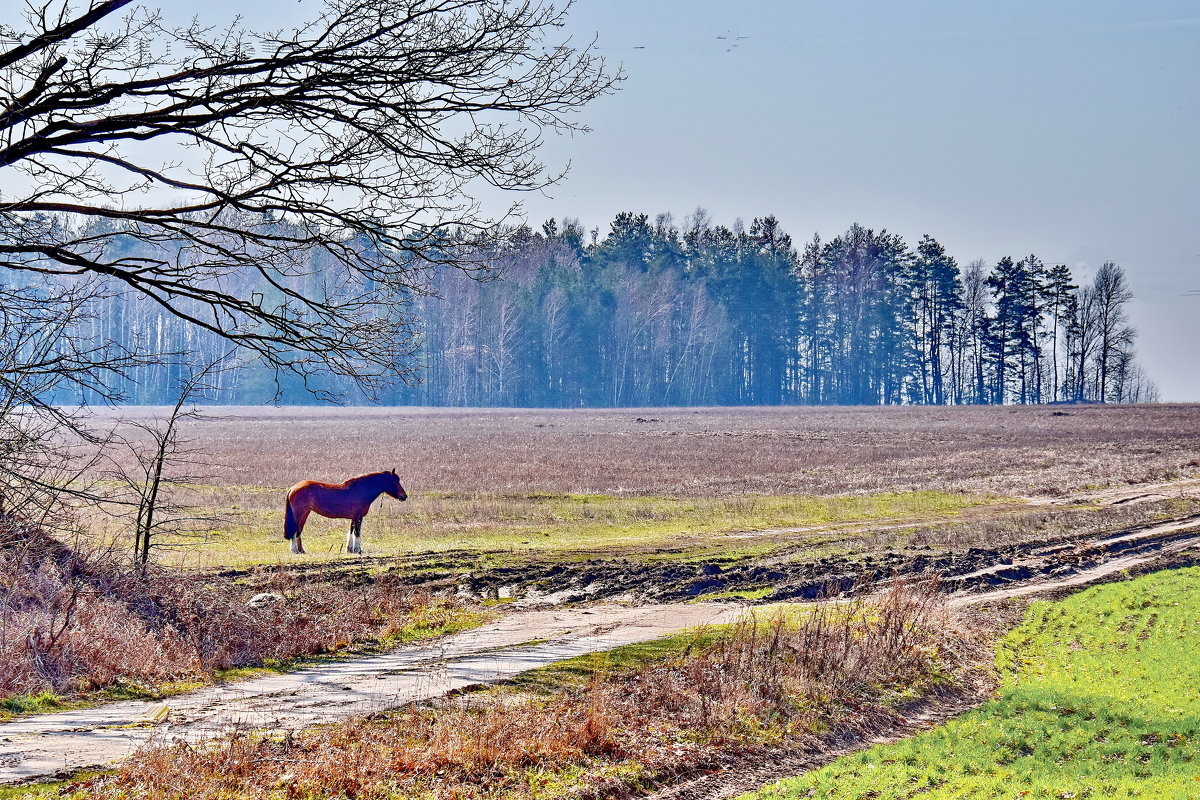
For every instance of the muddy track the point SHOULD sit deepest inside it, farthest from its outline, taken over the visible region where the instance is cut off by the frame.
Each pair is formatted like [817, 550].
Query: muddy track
[973, 569]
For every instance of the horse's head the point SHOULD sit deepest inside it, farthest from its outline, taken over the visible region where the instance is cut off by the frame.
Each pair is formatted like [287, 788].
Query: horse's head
[392, 485]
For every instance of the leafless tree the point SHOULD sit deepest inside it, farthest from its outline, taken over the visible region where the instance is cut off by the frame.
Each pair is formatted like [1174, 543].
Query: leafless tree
[311, 176]
[46, 361]
[1115, 335]
[160, 456]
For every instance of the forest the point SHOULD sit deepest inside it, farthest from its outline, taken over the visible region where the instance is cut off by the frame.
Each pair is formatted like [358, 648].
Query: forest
[654, 313]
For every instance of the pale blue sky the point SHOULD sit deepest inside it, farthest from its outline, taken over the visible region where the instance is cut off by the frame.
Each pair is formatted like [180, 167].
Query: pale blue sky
[1067, 129]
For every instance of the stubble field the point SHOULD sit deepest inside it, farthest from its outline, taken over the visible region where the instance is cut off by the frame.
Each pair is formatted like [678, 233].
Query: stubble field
[641, 483]
[707, 452]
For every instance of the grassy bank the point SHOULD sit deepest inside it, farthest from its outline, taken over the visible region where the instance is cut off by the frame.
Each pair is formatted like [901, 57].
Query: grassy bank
[1098, 699]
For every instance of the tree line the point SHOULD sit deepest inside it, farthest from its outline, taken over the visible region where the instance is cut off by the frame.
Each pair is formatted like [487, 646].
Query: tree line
[657, 313]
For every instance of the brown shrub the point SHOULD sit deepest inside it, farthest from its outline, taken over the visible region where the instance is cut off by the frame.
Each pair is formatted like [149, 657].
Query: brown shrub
[74, 619]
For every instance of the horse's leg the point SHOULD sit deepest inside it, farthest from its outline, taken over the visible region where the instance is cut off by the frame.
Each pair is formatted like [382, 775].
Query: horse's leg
[351, 544]
[301, 518]
[356, 529]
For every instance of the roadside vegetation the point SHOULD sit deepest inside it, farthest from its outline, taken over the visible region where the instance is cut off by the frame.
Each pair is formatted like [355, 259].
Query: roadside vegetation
[1098, 699]
[86, 624]
[598, 726]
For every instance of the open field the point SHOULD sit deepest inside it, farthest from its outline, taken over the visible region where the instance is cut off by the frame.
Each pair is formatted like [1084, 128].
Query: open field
[725, 452]
[1098, 699]
[636, 482]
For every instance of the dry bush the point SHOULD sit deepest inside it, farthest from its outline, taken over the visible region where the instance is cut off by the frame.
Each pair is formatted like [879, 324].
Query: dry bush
[782, 680]
[63, 626]
[773, 673]
[79, 619]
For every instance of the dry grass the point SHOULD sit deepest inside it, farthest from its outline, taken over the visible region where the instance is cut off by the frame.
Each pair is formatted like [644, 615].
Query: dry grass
[705, 452]
[787, 680]
[990, 531]
[75, 620]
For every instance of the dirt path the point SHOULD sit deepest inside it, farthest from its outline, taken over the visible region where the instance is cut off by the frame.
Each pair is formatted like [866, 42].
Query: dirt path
[48, 744]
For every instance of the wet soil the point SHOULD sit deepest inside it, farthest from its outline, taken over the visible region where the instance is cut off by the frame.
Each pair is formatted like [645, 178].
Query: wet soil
[788, 575]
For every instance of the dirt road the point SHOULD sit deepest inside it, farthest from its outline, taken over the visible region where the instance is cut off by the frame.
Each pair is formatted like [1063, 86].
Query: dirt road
[51, 743]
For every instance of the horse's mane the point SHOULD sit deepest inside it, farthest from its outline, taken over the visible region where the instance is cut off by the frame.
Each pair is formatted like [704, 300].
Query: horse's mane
[369, 475]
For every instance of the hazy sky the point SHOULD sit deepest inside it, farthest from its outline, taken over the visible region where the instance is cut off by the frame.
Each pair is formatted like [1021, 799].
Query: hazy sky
[1065, 129]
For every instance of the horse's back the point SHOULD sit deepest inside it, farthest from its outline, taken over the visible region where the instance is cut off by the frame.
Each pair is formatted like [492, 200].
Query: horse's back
[326, 499]
[307, 486]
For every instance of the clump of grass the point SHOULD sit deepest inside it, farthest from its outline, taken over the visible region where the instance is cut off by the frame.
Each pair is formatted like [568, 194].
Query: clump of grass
[32, 704]
[1098, 699]
[73, 621]
[790, 678]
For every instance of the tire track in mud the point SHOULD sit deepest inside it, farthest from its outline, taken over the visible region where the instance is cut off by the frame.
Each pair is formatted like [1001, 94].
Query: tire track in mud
[969, 570]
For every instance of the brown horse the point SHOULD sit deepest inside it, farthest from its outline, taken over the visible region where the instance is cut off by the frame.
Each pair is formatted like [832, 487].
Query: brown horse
[350, 500]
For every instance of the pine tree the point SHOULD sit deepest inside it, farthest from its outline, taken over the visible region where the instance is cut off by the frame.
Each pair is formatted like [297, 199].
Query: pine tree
[938, 300]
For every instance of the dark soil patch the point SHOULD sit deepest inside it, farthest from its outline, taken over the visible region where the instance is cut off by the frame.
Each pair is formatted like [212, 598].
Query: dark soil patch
[794, 578]
[787, 573]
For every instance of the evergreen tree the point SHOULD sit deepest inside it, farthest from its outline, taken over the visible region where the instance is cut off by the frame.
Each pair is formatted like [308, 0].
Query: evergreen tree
[938, 301]
[1060, 301]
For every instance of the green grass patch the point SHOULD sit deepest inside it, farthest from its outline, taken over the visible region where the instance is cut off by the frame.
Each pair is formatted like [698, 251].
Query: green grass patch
[41, 703]
[580, 670]
[1099, 698]
[36, 791]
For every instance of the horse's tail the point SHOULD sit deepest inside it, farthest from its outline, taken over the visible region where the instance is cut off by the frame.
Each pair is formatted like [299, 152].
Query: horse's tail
[289, 521]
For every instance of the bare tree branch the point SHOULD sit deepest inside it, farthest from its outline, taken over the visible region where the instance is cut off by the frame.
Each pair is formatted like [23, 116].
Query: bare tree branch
[319, 172]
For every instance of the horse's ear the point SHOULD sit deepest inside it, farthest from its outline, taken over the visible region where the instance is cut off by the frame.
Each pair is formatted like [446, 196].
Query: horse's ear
[393, 470]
